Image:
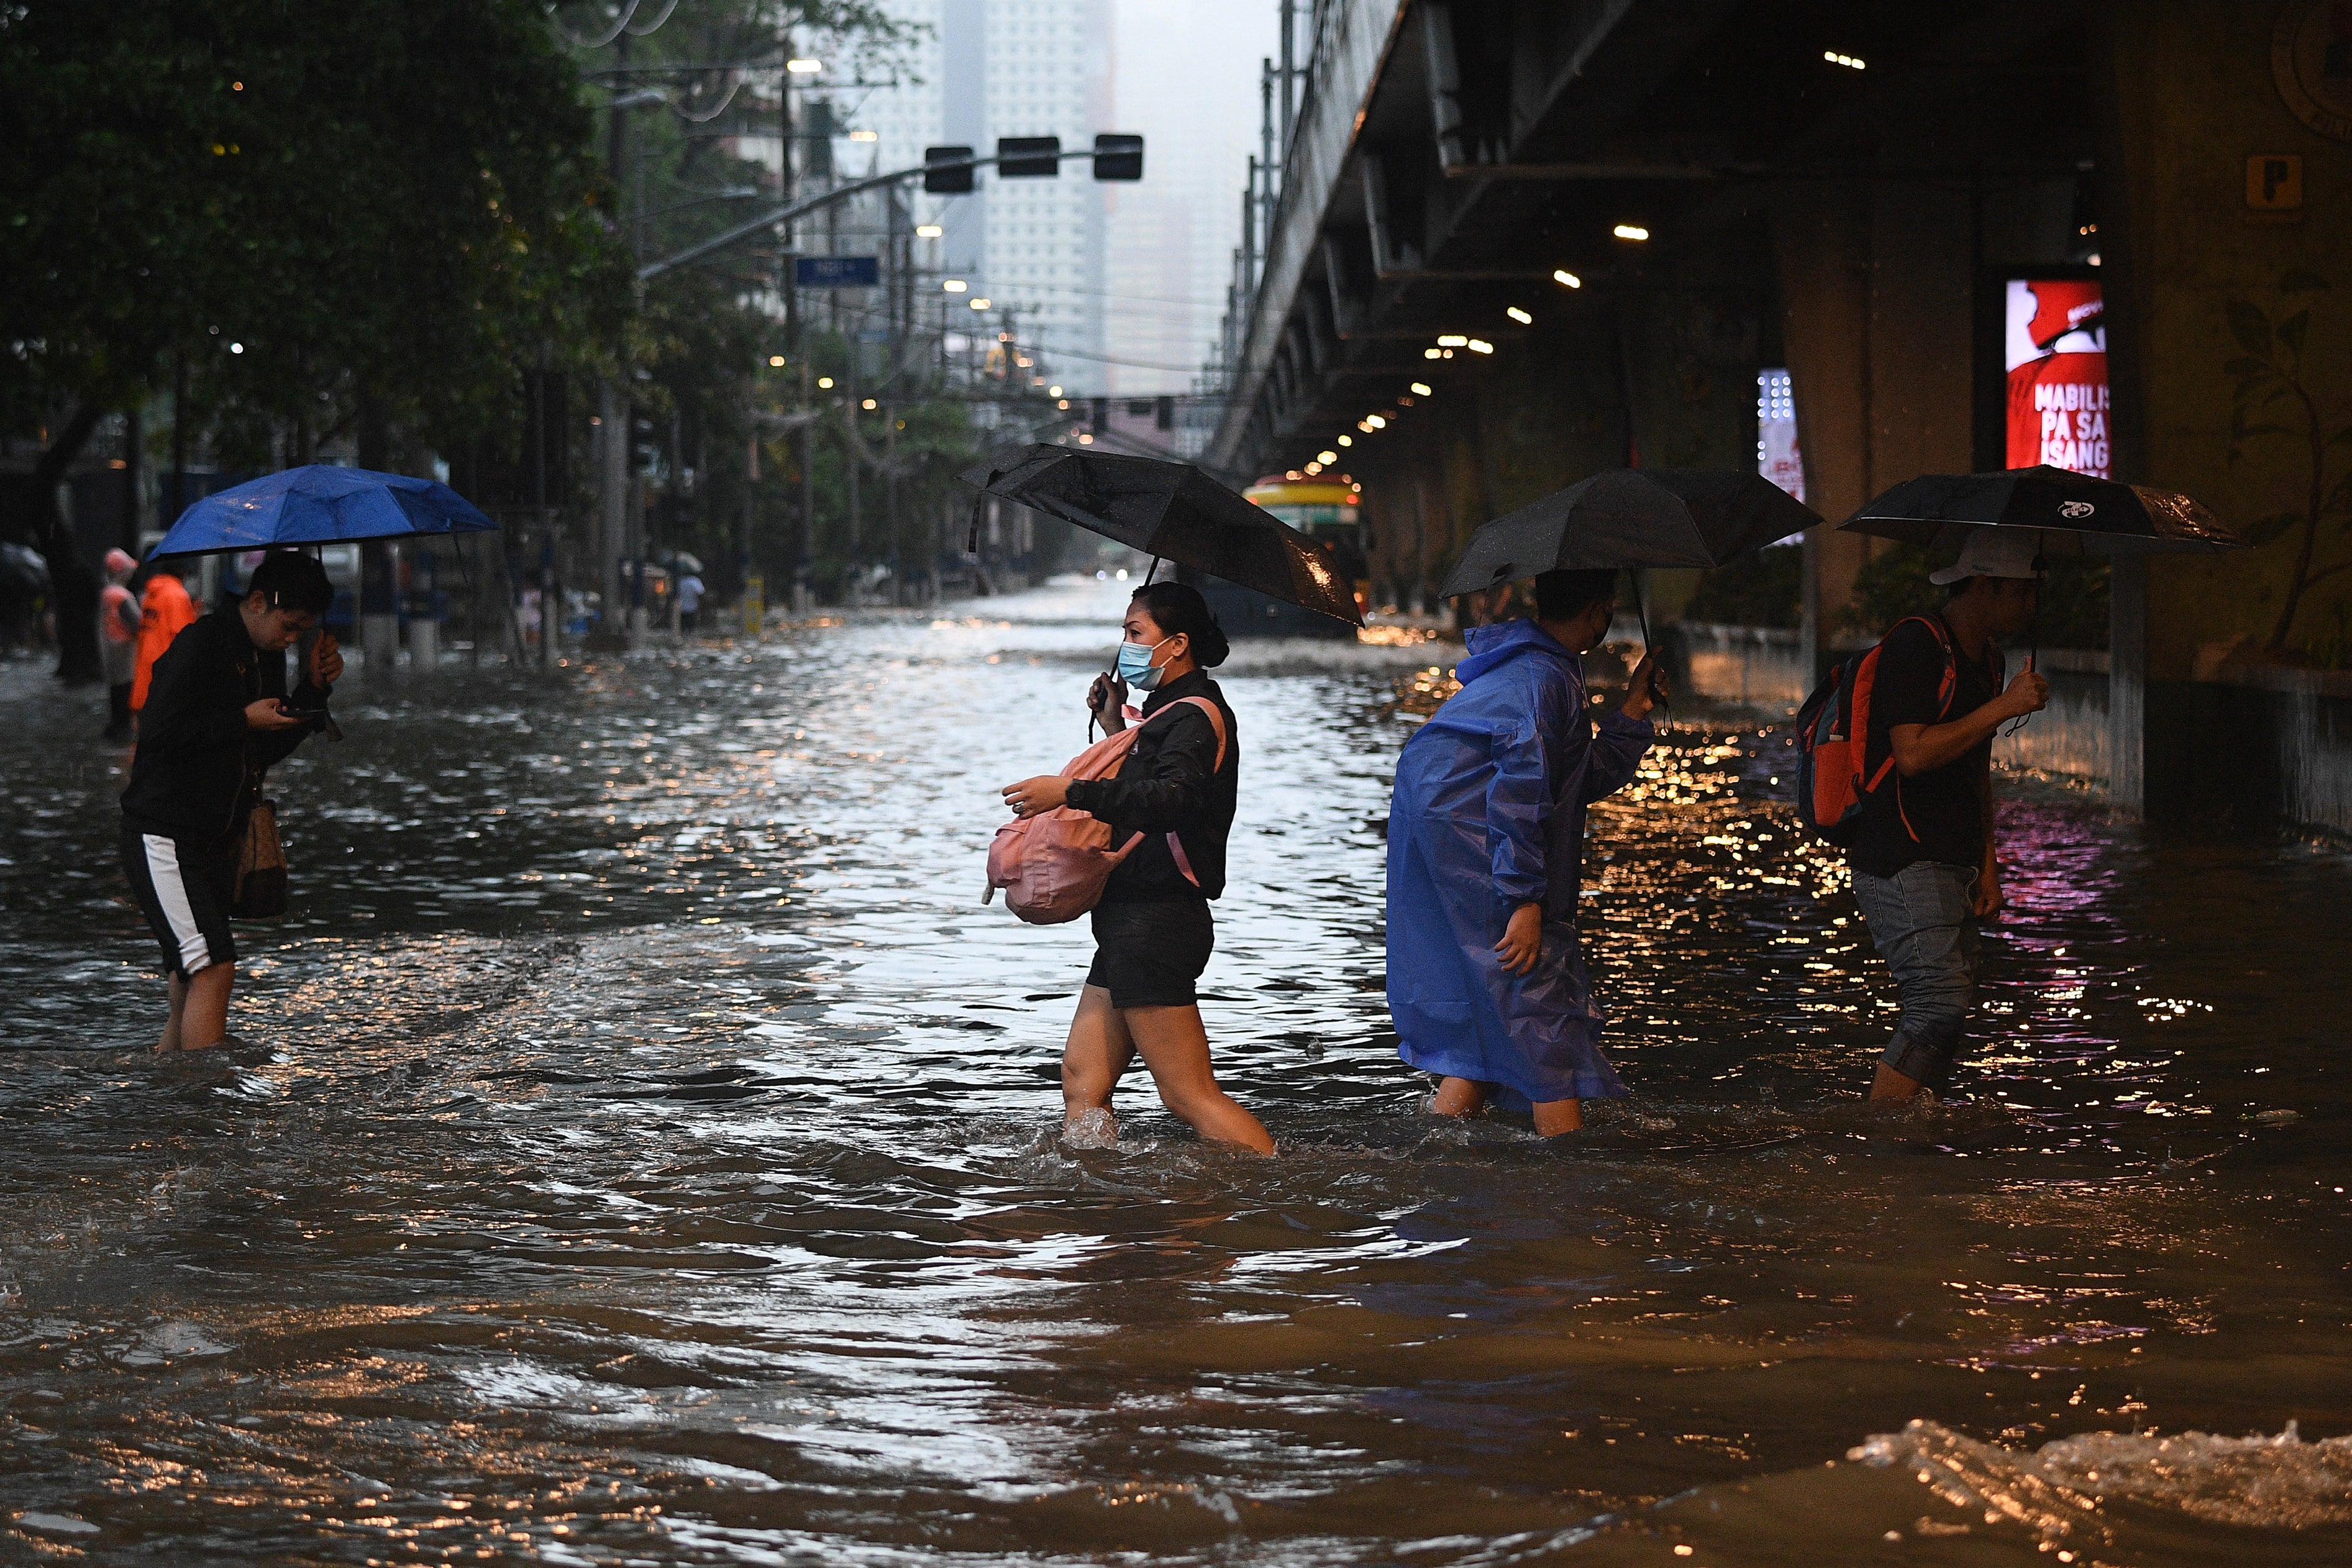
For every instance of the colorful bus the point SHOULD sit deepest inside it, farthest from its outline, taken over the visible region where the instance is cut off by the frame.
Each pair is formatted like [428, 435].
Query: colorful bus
[1327, 510]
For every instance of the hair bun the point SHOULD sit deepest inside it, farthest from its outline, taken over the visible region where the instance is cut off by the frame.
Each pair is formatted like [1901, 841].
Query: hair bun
[1179, 608]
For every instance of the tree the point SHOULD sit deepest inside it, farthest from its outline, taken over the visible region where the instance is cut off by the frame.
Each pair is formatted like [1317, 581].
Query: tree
[369, 218]
[2270, 372]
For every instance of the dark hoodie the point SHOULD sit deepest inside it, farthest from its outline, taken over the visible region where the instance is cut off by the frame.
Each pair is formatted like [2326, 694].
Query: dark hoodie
[198, 769]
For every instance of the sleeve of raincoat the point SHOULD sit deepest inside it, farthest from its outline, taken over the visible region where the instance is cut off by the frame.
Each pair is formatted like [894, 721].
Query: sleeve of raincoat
[1171, 794]
[1619, 744]
[1518, 806]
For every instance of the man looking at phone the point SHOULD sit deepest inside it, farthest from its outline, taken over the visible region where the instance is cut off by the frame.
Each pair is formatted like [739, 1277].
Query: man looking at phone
[217, 716]
[1922, 858]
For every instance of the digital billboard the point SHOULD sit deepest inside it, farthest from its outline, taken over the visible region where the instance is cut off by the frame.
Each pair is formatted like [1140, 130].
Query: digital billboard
[2054, 348]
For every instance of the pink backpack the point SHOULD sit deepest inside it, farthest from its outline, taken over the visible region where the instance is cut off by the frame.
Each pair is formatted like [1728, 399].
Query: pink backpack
[1053, 866]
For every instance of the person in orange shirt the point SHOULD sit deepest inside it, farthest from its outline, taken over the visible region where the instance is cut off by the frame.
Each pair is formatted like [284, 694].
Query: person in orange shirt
[164, 612]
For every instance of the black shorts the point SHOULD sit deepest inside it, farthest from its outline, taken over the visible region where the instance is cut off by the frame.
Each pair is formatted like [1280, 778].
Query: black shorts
[1149, 955]
[184, 887]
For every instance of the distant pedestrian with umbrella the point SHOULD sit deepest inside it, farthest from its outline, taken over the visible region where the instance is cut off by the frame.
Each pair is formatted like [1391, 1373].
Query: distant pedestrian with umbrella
[199, 842]
[215, 721]
[1897, 742]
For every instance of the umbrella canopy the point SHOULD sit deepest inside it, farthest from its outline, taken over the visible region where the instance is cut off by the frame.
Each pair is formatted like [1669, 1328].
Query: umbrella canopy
[1175, 512]
[1623, 518]
[319, 504]
[2075, 512]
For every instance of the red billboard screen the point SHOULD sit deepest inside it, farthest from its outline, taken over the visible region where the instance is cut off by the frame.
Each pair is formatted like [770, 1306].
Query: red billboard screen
[2054, 346]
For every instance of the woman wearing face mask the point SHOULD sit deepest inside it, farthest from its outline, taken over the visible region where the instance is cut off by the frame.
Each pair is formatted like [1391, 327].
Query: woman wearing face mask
[1152, 929]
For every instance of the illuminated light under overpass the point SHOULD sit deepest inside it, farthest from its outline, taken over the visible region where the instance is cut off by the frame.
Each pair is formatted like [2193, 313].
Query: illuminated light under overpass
[1566, 280]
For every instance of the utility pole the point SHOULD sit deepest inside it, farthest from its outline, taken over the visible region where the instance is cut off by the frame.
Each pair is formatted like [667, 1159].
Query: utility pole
[804, 550]
[1267, 162]
[1290, 73]
[901, 254]
[612, 408]
[849, 463]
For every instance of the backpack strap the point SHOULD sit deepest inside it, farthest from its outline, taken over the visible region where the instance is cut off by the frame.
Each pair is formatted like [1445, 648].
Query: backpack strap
[1217, 722]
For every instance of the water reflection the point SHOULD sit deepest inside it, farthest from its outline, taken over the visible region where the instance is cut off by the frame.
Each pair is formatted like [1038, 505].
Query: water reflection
[641, 1148]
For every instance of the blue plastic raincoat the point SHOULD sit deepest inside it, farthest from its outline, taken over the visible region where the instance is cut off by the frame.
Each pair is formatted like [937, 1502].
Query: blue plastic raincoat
[1488, 815]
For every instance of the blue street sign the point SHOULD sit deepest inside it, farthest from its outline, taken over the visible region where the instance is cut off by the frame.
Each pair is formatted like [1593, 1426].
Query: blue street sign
[837, 271]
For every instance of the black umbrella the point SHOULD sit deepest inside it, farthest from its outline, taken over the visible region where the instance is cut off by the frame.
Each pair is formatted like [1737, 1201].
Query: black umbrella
[1624, 518]
[2075, 514]
[1171, 511]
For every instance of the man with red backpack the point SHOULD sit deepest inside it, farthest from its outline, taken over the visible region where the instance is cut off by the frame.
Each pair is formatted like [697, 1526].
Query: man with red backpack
[1920, 847]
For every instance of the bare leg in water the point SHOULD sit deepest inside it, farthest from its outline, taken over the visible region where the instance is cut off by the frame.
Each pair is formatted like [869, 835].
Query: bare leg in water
[1460, 1097]
[1104, 1040]
[199, 1009]
[1887, 1084]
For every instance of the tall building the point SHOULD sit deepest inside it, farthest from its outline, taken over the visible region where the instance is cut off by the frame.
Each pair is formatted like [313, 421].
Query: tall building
[1035, 248]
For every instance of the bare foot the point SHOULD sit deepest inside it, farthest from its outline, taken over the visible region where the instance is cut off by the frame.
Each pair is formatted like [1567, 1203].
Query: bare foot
[1456, 1097]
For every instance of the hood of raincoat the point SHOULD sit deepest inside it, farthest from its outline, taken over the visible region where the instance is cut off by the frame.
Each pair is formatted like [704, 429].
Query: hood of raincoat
[1491, 648]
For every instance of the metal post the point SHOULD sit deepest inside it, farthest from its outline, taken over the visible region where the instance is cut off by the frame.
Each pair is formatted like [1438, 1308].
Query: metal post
[1266, 162]
[849, 464]
[1289, 77]
[1249, 235]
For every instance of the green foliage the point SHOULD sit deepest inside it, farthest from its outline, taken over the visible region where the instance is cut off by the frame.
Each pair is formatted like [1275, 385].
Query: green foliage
[387, 203]
[1767, 589]
[2073, 608]
[1894, 584]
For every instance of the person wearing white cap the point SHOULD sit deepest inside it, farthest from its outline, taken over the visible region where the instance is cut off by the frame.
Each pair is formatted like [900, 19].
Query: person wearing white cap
[1922, 855]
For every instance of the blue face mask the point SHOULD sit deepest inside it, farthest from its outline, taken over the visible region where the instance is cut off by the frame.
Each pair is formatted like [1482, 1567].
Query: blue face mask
[1135, 666]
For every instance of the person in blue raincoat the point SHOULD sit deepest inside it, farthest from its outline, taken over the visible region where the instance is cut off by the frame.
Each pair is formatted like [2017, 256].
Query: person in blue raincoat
[1485, 859]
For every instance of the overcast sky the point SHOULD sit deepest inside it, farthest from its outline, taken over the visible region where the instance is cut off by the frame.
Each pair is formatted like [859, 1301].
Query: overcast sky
[1187, 78]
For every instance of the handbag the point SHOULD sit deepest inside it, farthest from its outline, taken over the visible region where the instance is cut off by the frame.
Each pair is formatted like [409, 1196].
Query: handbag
[1053, 867]
[260, 868]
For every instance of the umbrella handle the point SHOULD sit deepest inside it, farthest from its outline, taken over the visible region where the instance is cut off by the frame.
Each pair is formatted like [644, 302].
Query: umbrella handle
[1642, 607]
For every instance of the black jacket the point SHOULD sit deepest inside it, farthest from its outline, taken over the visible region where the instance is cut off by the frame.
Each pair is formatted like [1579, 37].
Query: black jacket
[198, 769]
[1170, 782]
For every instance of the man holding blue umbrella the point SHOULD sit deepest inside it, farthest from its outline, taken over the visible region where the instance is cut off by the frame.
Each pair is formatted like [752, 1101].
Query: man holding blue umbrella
[216, 717]
[213, 725]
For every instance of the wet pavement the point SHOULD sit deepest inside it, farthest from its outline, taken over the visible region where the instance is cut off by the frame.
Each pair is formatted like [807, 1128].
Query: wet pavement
[641, 1147]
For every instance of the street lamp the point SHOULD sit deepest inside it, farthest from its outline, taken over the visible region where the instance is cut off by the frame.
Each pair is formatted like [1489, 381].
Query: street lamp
[804, 68]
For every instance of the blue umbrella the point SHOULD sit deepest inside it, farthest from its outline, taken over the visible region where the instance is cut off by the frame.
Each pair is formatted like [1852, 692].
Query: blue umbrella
[319, 504]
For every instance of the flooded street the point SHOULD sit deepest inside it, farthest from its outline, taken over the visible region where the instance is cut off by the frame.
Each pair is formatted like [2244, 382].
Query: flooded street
[642, 1147]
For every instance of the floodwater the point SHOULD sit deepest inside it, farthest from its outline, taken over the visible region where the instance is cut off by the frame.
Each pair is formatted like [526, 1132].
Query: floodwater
[641, 1147]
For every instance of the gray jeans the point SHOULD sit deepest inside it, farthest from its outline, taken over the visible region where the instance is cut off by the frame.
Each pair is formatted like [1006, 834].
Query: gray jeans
[1920, 919]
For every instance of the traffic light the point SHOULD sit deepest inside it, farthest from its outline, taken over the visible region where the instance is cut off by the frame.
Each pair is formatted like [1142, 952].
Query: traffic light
[1118, 157]
[1028, 157]
[951, 181]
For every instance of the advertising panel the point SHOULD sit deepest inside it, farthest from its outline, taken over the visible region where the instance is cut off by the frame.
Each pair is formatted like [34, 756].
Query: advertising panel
[2054, 348]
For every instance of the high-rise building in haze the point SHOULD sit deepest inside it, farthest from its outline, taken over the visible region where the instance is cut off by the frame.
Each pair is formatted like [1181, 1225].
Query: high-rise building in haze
[1036, 248]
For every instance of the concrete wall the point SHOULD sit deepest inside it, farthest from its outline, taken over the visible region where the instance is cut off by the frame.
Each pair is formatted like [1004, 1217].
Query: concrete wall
[2194, 95]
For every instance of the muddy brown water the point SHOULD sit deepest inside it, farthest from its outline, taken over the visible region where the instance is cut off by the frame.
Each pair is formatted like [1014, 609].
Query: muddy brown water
[640, 1147]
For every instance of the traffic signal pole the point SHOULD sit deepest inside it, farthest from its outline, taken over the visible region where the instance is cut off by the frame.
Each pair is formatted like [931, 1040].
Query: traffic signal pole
[801, 208]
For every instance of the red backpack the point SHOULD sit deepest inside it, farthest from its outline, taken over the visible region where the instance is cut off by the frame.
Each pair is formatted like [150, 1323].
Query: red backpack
[1834, 777]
